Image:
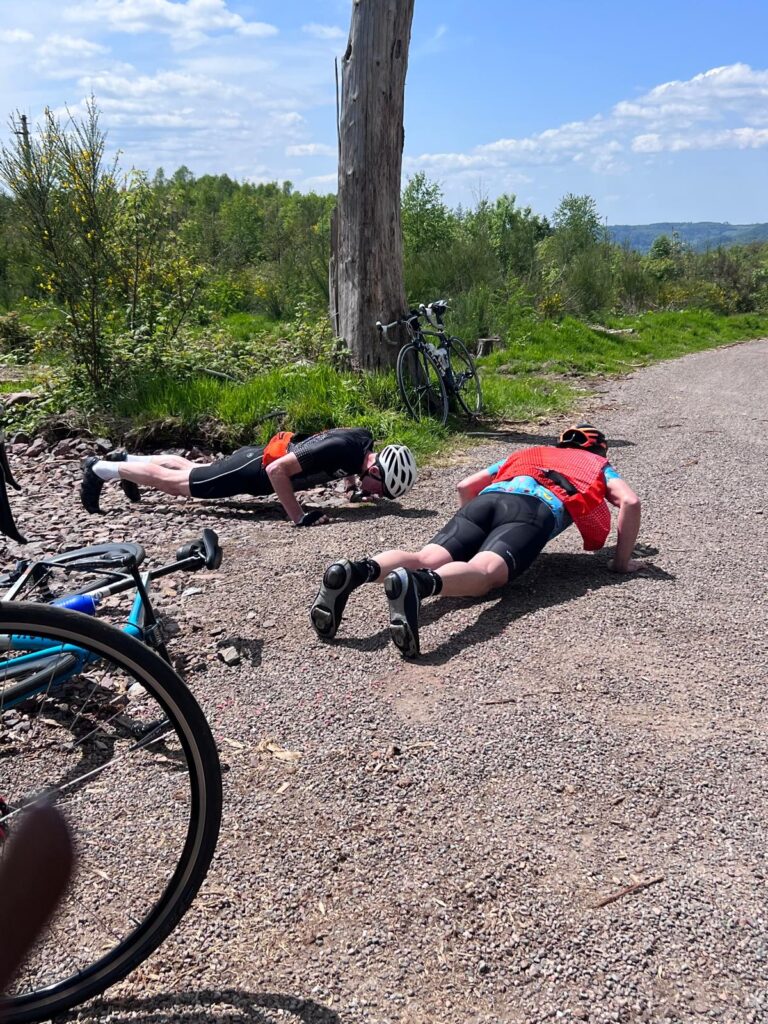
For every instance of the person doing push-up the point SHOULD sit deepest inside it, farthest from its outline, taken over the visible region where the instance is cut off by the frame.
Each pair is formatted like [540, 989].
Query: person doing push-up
[507, 514]
[282, 467]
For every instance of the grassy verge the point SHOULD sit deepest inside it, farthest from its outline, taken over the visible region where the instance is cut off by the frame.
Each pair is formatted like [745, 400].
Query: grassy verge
[543, 369]
[311, 399]
[571, 347]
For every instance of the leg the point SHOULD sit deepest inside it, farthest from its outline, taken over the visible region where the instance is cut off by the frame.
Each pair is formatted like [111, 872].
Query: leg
[165, 459]
[342, 577]
[475, 578]
[431, 556]
[516, 529]
[131, 470]
[405, 589]
[159, 475]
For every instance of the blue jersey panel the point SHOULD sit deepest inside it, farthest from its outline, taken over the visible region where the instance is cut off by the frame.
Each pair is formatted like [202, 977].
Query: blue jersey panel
[527, 485]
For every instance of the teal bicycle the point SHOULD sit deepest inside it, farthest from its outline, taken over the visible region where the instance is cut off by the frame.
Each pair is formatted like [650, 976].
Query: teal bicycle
[97, 718]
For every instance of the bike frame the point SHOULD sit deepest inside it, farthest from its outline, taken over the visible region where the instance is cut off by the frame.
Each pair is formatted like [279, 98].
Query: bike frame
[142, 623]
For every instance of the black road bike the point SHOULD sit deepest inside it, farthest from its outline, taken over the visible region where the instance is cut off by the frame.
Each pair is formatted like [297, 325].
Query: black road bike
[434, 370]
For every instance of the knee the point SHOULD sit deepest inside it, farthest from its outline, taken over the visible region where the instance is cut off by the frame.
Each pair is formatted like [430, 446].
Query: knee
[493, 572]
[433, 558]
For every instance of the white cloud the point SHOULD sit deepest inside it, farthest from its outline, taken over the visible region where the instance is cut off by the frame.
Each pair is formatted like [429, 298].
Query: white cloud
[15, 35]
[324, 31]
[724, 108]
[434, 44]
[733, 138]
[322, 182]
[187, 22]
[166, 83]
[311, 149]
[62, 56]
[56, 46]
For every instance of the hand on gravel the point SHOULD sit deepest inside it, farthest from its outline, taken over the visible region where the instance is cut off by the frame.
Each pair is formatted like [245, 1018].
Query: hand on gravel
[632, 566]
[360, 497]
[314, 517]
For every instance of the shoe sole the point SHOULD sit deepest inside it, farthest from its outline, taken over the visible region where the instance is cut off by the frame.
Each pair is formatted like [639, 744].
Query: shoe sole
[131, 491]
[328, 608]
[403, 636]
[90, 506]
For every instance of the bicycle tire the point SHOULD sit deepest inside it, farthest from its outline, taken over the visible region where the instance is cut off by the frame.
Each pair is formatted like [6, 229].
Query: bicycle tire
[423, 398]
[467, 380]
[164, 806]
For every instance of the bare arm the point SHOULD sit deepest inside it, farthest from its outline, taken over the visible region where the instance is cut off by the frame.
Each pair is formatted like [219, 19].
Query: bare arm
[280, 472]
[471, 486]
[624, 498]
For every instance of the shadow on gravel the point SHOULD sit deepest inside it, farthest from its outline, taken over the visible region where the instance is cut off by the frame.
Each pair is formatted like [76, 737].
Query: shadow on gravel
[225, 1005]
[554, 579]
[256, 510]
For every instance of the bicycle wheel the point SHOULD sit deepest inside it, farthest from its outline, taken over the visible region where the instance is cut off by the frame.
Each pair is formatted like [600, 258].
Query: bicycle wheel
[49, 583]
[129, 757]
[421, 384]
[466, 382]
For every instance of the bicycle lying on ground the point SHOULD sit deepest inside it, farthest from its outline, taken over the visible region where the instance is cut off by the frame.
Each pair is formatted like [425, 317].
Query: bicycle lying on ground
[430, 376]
[96, 717]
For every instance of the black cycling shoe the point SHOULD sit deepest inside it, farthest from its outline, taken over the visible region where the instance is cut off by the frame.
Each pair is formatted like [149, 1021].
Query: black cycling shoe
[90, 486]
[404, 605]
[130, 490]
[332, 598]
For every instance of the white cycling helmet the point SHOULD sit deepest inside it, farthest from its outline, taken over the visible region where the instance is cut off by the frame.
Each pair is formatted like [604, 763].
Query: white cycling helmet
[398, 469]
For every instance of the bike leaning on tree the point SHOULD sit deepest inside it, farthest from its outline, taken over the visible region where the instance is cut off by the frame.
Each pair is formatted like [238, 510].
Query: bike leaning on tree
[434, 369]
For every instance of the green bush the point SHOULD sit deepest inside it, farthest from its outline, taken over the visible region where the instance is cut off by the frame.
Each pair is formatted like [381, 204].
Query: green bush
[15, 337]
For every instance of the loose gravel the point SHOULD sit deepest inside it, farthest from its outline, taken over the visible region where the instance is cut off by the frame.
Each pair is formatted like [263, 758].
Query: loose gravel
[428, 841]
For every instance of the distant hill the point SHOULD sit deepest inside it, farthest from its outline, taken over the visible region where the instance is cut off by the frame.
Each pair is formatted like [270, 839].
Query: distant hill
[700, 236]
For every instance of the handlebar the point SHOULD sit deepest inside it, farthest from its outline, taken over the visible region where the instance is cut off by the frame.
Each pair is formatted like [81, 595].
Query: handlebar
[432, 313]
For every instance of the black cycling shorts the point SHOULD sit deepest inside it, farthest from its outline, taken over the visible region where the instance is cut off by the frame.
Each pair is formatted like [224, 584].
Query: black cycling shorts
[514, 526]
[238, 473]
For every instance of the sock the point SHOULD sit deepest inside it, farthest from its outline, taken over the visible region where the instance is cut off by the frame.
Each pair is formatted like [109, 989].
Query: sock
[428, 583]
[365, 571]
[106, 470]
[138, 458]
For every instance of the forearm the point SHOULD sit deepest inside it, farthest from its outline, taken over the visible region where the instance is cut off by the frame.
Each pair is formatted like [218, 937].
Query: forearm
[471, 486]
[283, 488]
[627, 531]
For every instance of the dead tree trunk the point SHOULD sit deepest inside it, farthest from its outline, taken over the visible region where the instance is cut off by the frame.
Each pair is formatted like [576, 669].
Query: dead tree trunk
[366, 270]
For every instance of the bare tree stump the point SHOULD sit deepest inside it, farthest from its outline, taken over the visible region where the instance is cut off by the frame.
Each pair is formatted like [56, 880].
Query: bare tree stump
[486, 345]
[366, 270]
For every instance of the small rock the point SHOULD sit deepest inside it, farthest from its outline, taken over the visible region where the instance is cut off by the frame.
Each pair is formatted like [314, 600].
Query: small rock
[230, 656]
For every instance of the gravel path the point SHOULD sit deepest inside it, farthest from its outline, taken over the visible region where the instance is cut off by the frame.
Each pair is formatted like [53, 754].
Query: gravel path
[437, 852]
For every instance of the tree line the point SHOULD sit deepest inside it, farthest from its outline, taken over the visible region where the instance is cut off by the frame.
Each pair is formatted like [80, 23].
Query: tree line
[130, 259]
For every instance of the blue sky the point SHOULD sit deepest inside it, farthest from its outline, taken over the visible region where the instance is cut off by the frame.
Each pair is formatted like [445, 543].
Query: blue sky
[659, 110]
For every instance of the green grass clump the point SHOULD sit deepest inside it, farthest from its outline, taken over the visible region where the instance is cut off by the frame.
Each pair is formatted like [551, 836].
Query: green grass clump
[571, 347]
[313, 398]
[307, 399]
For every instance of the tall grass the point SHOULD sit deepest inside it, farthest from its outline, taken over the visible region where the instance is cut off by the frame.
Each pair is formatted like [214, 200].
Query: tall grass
[309, 399]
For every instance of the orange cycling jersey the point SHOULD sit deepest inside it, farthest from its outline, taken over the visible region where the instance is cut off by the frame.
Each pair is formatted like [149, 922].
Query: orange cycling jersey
[576, 478]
